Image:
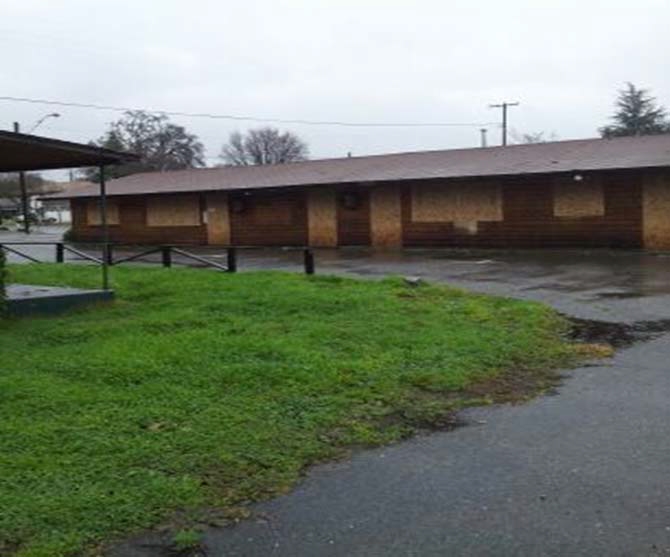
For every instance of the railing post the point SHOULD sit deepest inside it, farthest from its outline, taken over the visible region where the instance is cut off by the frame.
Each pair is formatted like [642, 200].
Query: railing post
[309, 262]
[60, 252]
[166, 256]
[232, 260]
[109, 254]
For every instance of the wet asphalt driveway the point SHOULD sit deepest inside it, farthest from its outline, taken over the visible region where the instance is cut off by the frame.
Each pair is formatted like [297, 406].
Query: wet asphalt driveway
[582, 473]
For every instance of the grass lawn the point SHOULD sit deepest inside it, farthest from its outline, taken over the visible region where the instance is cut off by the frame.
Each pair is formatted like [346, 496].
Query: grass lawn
[201, 390]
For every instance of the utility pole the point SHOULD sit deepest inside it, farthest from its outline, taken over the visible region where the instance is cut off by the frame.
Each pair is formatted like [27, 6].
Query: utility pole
[483, 132]
[25, 209]
[25, 201]
[504, 106]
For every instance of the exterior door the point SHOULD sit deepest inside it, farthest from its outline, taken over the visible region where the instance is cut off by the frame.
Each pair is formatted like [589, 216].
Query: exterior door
[353, 218]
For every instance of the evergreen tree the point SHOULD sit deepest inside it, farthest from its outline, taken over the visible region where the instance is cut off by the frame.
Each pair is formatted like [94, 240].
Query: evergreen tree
[637, 113]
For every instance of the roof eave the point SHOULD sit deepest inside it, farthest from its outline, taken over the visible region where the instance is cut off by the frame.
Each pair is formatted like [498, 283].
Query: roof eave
[365, 183]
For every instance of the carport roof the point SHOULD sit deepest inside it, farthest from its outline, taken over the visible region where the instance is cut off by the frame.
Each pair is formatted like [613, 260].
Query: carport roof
[540, 158]
[23, 152]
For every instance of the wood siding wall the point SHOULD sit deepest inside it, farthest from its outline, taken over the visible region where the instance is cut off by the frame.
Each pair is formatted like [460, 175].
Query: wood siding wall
[628, 209]
[529, 219]
[132, 227]
[270, 219]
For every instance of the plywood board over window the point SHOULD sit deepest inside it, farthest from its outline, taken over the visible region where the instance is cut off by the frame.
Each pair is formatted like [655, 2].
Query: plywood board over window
[656, 208]
[385, 217]
[173, 210]
[322, 217]
[457, 202]
[94, 215]
[579, 199]
[218, 219]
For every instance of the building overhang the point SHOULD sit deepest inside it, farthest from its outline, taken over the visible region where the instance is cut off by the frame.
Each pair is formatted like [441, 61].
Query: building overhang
[23, 152]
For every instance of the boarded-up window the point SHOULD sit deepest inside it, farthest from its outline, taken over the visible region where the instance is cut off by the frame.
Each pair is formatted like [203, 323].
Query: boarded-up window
[656, 208]
[386, 217]
[457, 202]
[579, 199]
[173, 210]
[94, 216]
[322, 217]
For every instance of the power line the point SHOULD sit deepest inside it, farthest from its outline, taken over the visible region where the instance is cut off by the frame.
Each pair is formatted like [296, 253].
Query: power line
[247, 118]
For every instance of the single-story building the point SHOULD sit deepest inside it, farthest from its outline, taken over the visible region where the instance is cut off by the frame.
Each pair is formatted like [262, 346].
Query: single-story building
[582, 193]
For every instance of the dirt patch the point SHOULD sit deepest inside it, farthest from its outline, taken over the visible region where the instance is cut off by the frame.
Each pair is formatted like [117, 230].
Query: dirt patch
[514, 387]
[618, 335]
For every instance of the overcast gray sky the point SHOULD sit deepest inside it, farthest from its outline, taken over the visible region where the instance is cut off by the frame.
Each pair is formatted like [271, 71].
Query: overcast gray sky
[351, 60]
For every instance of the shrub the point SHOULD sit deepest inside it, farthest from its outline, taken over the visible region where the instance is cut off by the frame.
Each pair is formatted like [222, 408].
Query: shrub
[68, 235]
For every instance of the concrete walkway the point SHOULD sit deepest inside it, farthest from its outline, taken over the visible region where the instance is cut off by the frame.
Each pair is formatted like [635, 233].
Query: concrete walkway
[586, 472]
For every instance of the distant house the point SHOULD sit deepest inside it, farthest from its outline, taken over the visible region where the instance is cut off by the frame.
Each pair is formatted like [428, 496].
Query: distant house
[9, 208]
[594, 192]
[58, 208]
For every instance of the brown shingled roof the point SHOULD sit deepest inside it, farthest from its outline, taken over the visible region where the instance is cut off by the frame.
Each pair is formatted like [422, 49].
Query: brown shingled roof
[540, 158]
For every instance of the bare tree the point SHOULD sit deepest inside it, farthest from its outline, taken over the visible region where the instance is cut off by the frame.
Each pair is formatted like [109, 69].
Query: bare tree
[234, 152]
[263, 146]
[533, 137]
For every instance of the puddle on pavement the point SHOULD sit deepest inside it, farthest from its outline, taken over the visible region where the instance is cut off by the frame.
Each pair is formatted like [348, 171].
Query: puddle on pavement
[366, 271]
[618, 335]
[619, 295]
[553, 286]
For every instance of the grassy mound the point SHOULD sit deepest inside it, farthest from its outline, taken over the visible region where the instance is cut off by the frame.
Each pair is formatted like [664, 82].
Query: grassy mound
[198, 389]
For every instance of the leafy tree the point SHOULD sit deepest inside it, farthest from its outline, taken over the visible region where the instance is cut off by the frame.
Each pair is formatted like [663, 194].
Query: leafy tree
[637, 113]
[10, 187]
[161, 145]
[264, 146]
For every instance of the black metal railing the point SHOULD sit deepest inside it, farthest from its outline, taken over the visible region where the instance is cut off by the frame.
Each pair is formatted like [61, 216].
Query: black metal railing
[166, 252]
